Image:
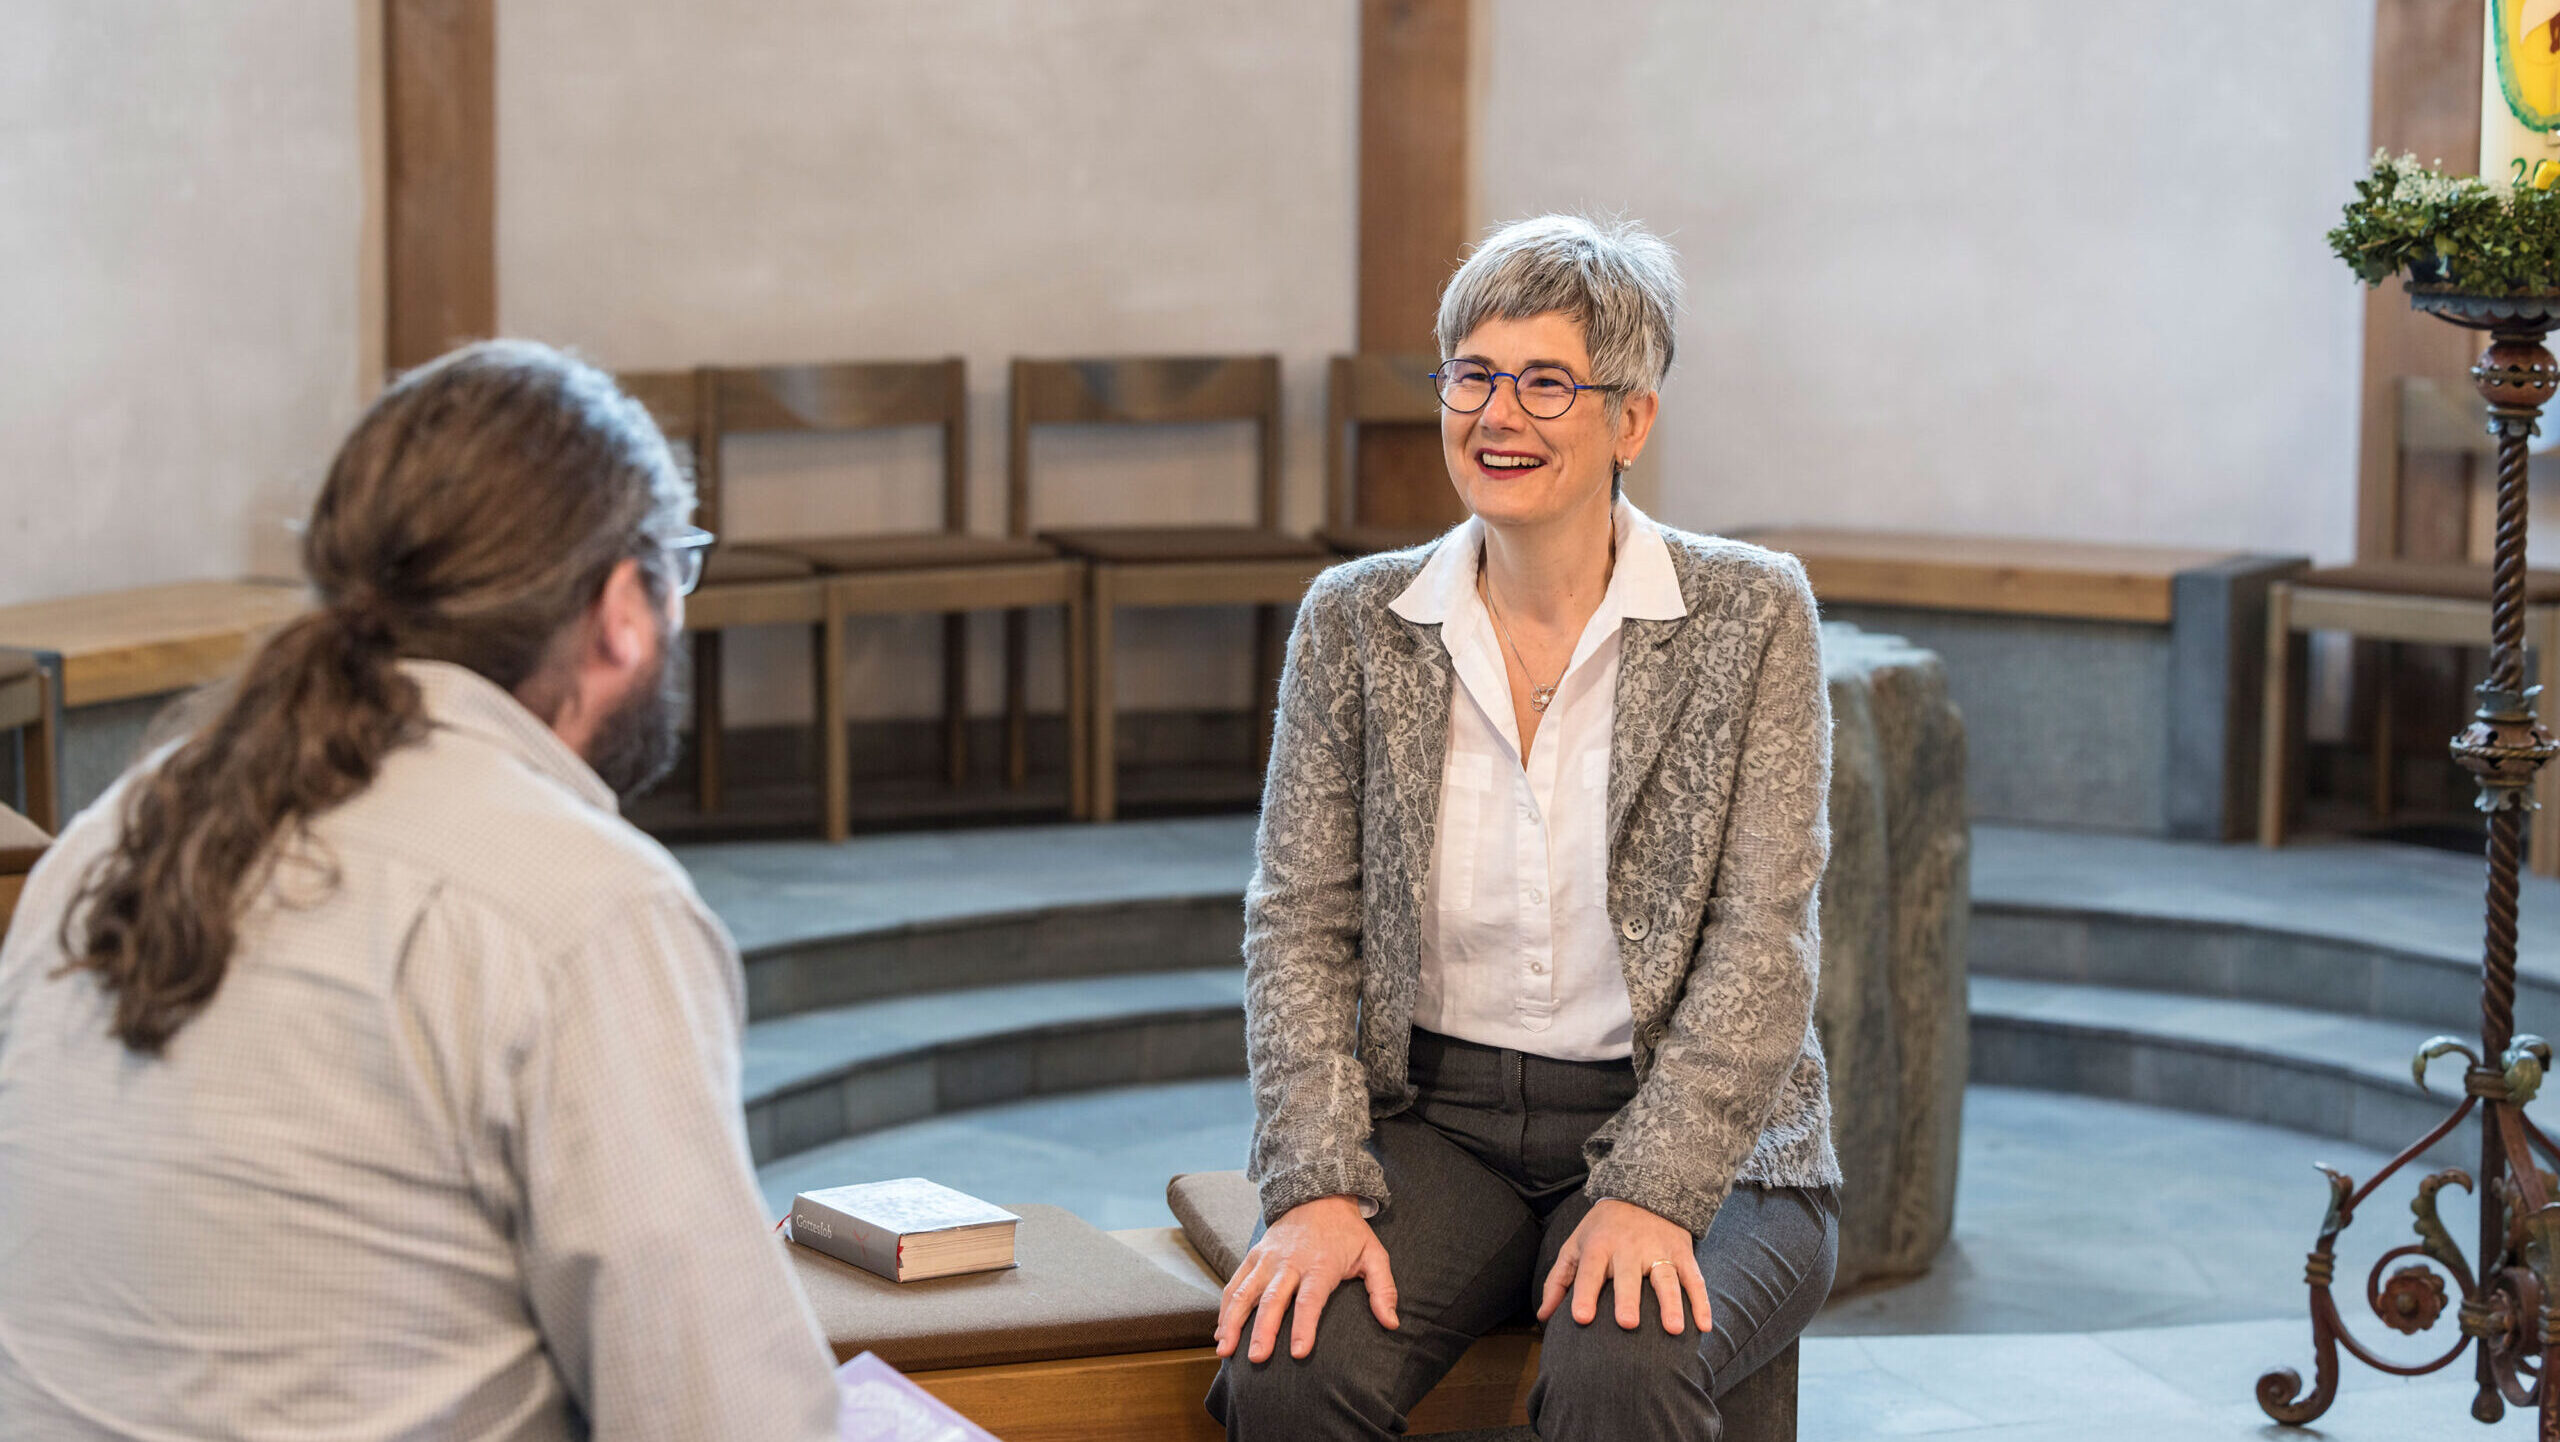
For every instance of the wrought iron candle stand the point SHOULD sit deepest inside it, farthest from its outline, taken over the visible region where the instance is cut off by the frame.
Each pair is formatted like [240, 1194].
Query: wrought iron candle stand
[2511, 1306]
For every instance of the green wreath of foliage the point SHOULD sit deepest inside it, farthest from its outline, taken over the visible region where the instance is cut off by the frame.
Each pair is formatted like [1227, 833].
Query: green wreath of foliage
[2458, 230]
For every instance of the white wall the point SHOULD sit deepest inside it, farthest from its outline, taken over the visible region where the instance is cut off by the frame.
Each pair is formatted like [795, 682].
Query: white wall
[182, 203]
[681, 183]
[2001, 266]
[2024, 267]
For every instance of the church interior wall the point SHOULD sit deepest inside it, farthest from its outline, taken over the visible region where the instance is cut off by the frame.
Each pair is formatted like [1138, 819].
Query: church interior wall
[2056, 271]
[681, 184]
[183, 210]
[998, 178]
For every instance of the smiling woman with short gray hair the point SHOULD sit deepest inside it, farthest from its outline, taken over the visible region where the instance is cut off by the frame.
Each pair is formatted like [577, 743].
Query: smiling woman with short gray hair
[1530, 948]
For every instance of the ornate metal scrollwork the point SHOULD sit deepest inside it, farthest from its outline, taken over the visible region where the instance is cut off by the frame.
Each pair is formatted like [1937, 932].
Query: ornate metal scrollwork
[2509, 1303]
[2412, 1300]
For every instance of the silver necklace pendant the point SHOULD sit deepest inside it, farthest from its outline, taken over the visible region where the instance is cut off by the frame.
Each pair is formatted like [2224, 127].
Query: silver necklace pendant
[1539, 696]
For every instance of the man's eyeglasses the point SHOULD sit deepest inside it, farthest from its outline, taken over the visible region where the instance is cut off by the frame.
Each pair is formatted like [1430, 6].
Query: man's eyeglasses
[686, 551]
[1545, 392]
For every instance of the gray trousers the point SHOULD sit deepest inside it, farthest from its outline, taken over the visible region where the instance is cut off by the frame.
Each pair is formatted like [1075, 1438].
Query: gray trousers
[1485, 1173]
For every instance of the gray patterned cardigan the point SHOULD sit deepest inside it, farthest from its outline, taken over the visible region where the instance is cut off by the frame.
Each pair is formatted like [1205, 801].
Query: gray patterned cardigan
[1719, 777]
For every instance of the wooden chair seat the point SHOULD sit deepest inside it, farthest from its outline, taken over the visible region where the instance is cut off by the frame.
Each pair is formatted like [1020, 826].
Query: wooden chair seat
[2444, 580]
[912, 551]
[1372, 540]
[1164, 545]
[744, 565]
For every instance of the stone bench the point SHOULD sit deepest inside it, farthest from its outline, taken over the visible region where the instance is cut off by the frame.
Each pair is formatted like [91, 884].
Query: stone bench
[1099, 1337]
[2107, 686]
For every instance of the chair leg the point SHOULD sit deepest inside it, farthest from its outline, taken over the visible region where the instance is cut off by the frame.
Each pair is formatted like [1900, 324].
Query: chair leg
[1079, 704]
[1266, 682]
[835, 764]
[1100, 701]
[2274, 723]
[1017, 707]
[708, 782]
[955, 699]
[37, 747]
[2385, 728]
[2543, 853]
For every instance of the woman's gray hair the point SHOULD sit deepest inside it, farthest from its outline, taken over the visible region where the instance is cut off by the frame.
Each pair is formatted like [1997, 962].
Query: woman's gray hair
[1618, 280]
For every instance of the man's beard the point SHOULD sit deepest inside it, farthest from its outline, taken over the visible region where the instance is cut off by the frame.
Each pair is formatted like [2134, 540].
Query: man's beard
[636, 745]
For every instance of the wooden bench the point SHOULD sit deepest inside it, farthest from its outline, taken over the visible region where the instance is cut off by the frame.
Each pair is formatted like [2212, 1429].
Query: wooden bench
[122, 646]
[1098, 1337]
[2111, 686]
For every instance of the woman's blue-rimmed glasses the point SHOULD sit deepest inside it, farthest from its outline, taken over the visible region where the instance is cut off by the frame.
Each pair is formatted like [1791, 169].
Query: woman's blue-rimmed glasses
[1545, 392]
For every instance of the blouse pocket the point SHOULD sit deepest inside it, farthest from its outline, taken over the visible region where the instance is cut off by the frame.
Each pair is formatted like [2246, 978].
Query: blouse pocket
[1467, 785]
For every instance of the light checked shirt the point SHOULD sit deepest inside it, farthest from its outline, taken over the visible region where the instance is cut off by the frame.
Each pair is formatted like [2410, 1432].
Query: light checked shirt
[455, 1151]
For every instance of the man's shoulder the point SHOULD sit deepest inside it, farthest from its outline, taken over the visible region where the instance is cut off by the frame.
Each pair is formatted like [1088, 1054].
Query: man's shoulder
[476, 817]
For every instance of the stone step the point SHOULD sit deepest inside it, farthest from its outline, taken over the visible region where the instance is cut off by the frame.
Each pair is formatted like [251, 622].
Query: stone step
[2320, 1072]
[817, 1076]
[2361, 928]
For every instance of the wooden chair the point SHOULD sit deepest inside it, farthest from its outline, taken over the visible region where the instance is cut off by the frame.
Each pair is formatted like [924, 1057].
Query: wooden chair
[26, 707]
[947, 571]
[22, 845]
[1257, 565]
[2396, 601]
[2444, 602]
[744, 586]
[1366, 390]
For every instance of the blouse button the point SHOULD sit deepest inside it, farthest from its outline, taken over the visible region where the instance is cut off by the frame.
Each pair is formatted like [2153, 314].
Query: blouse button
[1633, 928]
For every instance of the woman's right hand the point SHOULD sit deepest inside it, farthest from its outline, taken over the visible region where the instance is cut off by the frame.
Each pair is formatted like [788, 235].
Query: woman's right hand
[1314, 1247]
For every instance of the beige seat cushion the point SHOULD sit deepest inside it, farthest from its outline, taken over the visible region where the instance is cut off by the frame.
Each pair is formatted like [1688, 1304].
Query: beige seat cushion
[911, 551]
[737, 565]
[1077, 1293]
[1157, 545]
[1217, 1211]
[2444, 580]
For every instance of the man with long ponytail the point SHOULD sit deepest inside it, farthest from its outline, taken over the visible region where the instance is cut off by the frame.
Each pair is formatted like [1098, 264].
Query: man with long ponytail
[362, 1073]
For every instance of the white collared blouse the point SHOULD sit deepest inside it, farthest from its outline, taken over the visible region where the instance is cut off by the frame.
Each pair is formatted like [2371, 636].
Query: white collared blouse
[1517, 946]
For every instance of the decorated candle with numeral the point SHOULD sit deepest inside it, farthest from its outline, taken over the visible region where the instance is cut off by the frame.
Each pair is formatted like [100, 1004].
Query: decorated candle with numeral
[2520, 93]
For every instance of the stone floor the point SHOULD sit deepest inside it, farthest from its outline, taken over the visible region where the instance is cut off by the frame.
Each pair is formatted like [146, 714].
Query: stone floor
[2071, 1213]
[2117, 1271]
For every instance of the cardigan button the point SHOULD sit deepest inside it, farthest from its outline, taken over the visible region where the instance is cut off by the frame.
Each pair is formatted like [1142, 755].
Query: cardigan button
[1653, 1036]
[1634, 928]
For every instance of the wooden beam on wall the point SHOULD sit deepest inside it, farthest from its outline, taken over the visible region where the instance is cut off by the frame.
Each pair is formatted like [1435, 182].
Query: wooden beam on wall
[2426, 99]
[440, 143]
[1417, 158]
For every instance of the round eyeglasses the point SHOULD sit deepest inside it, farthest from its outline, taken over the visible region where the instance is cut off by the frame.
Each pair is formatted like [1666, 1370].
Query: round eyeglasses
[686, 551]
[1545, 391]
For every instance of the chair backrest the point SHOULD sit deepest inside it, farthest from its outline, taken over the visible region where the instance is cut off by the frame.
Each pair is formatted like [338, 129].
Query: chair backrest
[838, 396]
[1144, 390]
[2443, 449]
[2441, 416]
[1365, 390]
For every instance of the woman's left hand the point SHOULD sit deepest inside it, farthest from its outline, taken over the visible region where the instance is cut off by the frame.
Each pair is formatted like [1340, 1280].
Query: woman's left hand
[1622, 1243]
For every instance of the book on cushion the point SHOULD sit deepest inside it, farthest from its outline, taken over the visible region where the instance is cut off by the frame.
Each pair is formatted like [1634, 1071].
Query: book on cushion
[905, 1230]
